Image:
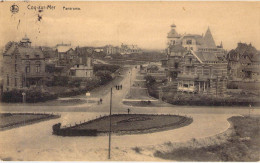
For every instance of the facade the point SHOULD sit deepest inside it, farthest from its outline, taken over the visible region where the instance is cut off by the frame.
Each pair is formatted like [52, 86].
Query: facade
[23, 65]
[244, 63]
[112, 49]
[65, 54]
[195, 64]
[83, 68]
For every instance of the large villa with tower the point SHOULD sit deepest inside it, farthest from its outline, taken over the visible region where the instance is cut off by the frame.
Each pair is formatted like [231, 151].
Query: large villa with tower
[195, 64]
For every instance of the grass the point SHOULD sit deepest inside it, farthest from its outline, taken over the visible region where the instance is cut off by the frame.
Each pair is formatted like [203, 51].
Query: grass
[12, 120]
[242, 145]
[137, 149]
[135, 123]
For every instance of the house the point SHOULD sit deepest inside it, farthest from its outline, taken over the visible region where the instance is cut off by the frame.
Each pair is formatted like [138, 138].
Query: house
[243, 63]
[195, 64]
[83, 68]
[23, 65]
[65, 54]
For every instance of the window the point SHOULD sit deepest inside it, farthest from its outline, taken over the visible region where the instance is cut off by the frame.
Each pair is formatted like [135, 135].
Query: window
[38, 66]
[73, 73]
[7, 80]
[189, 42]
[27, 67]
[176, 65]
[15, 67]
[15, 82]
[190, 60]
[37, 56]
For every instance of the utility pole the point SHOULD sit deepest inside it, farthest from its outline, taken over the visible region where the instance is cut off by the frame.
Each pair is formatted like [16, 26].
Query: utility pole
[109, 139]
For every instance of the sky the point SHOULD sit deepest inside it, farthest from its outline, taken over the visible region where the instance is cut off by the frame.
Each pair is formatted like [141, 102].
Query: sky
[143, 23]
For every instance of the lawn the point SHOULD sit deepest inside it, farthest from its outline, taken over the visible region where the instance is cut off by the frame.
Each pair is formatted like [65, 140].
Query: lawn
[11, 120]
[135, 123]
[242, 145]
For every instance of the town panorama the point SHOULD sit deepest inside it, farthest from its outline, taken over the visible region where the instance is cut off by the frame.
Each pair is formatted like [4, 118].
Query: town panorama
[129, 81]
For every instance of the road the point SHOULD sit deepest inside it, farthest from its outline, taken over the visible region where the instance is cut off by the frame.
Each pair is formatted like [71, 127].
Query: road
[36, 142]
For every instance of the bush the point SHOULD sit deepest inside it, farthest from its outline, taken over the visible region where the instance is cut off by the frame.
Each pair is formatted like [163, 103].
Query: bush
[104, 76]
[105, 67]
[149, 80]
[60, 81]
[32, 96]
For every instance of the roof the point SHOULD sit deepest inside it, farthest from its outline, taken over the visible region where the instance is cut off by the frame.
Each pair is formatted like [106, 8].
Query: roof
[173, 34]
[177, 48]
[206, 56]
[30, 51]
[63, 48]
[199, 39]
[208, 40]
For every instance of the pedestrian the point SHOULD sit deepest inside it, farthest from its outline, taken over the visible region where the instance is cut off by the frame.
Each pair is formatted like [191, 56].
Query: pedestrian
[121, 86]
[100, 100]
[128, 110]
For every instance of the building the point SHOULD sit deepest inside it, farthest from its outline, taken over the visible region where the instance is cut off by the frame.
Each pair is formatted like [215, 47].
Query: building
[129, 49]
[195, 64]
[23, 65]
[84, 67]
[112, 49]
[65, 54]
[243, 63]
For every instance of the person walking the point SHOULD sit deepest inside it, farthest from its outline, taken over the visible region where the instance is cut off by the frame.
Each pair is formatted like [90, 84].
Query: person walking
[128, 110]
[100, 100]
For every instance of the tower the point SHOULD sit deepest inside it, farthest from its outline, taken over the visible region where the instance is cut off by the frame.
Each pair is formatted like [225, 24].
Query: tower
[173, 36]
[25, 42]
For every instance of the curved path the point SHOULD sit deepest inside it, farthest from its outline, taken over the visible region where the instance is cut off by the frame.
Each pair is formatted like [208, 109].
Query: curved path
[36, 142]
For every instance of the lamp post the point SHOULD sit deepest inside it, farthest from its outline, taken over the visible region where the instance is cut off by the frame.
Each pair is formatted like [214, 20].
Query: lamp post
[24, 97]
[88, 95]
[109, 138]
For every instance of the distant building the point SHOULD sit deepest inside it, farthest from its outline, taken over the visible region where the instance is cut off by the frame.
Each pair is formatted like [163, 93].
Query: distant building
[129, 49]
[112, 49]
[23, 65]
[195, 64]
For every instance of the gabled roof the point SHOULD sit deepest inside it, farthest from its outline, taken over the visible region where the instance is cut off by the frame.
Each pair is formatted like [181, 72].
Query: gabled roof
[30, 51]
[208, 40]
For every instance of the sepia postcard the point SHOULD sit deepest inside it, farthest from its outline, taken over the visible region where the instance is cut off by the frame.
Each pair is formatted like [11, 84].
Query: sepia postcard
[130, 81]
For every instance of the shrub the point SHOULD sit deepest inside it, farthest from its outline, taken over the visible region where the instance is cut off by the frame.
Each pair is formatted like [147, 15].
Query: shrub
[104, 76]
[32, 96]
[105, 67]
